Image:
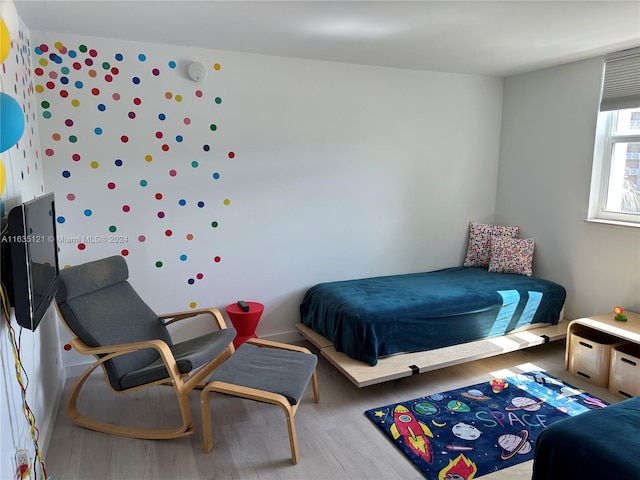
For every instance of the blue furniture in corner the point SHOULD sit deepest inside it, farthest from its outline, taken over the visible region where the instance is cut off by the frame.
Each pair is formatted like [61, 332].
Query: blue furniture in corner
[601, 444]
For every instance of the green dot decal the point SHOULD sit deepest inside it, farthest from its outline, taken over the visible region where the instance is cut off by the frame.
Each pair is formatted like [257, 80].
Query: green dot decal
[45, 104]
[158, 264]
[218, 100]
[112, 228]
[213, 127]
[214, 224]
[83, 48]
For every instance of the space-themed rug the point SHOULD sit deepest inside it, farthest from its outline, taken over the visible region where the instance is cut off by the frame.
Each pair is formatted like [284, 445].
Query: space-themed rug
[472, 431]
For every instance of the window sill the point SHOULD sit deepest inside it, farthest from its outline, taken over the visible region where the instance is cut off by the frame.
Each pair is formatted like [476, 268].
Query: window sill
[612, 222]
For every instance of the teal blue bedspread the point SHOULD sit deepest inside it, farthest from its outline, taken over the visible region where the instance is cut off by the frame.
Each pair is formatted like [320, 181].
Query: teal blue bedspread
[602, 444]
[373, 317]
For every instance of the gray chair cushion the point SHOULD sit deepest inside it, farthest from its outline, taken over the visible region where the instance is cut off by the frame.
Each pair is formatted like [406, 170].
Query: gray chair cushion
[273, 370]
[102, 308]
[189, 354]
[91, 276]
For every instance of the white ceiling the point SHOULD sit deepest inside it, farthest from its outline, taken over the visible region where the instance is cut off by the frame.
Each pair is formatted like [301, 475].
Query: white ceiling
[499, 38]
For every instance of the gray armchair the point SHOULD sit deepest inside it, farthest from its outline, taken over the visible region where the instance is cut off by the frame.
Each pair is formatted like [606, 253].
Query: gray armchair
[109, 320]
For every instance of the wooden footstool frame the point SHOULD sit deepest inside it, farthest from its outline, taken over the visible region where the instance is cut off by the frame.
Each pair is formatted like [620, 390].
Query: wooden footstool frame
[236, 378]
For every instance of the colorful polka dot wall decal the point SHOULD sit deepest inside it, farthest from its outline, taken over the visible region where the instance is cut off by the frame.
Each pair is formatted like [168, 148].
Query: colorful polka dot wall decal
[134, 151]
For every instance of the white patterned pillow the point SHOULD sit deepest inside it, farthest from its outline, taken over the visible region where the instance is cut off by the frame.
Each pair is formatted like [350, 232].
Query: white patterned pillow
[512, 255]
[478, 252]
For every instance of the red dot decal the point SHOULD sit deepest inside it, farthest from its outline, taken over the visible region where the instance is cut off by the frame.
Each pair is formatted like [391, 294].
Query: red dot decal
[81, 246]
[231, 155]
[124, 252]
[111, 185]
[168, 233]
[158, 196]
[124, 139]
[216, 259]
[67, 347]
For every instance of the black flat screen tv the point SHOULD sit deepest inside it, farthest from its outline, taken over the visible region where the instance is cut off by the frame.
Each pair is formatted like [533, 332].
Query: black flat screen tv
[30, 259]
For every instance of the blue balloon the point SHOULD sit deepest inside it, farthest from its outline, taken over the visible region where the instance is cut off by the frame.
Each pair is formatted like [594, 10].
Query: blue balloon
[11, 122]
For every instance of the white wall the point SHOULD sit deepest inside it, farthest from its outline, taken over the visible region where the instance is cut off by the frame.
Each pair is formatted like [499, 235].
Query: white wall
[40, 350]
[546, 152]
[340, 171]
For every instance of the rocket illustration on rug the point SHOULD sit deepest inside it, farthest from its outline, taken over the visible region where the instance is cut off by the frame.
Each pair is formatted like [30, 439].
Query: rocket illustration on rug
[413, 432]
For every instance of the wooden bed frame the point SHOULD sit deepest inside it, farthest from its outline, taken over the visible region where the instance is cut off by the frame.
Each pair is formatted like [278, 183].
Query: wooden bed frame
[398, 366]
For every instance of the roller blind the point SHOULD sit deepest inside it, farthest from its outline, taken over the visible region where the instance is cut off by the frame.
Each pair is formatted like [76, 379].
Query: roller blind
[621, 87]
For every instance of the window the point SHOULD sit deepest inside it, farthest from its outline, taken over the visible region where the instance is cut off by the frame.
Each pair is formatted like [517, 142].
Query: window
[615, 185]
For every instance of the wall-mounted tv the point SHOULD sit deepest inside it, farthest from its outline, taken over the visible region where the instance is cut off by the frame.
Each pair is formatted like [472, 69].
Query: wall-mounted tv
[30, 259]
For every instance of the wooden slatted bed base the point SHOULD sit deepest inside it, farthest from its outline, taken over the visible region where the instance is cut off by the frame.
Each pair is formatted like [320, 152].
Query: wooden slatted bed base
[403, 365]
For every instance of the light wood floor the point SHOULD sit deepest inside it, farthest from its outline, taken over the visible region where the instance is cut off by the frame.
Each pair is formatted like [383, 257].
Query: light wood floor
[250, 439]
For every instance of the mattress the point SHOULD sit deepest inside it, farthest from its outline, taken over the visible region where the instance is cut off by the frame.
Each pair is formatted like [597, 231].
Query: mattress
[373, 317]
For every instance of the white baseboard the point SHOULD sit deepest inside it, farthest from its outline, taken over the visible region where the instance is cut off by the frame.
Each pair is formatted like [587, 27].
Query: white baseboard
[46, 428]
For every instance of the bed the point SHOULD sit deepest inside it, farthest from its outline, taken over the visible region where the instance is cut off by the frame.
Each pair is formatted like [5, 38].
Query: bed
[370, 318]
[602, 443]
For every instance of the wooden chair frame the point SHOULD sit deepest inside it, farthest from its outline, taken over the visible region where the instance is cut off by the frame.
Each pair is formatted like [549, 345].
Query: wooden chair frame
[182, 383]
[257, 395]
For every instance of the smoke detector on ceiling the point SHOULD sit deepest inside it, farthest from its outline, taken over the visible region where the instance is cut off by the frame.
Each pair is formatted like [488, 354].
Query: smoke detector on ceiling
[197, 71]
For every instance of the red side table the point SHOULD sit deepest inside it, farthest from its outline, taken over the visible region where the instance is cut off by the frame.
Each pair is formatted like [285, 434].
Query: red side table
[245, 323]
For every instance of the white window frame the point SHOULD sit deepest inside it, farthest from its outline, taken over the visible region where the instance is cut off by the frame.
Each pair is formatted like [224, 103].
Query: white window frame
[620, 90]
[601, 185]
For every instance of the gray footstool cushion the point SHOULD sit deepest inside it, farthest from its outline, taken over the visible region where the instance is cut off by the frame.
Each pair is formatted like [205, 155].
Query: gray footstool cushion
[271, 369]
